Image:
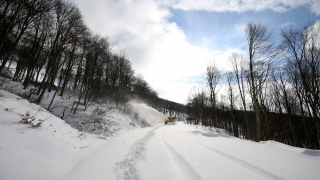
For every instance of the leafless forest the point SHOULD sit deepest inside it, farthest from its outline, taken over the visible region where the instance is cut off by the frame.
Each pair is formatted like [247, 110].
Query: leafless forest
[273, 91]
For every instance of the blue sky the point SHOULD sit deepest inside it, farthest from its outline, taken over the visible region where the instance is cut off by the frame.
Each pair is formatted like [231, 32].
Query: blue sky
[170, 42]
[216, 30]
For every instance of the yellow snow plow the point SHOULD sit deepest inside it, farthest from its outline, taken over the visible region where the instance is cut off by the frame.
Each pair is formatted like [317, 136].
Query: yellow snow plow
[170, 120]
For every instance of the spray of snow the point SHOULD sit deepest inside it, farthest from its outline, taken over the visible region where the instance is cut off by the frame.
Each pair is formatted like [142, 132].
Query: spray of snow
[150, 115]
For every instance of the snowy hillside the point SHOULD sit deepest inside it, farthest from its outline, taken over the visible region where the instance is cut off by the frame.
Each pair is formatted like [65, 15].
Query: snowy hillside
[104, 117]
[57, 150]
[28, 153]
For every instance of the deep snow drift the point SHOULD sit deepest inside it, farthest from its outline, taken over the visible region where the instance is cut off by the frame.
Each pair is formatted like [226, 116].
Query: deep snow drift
[57, 150]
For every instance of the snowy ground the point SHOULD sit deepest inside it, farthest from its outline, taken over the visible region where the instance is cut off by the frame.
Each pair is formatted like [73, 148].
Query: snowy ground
[57, 150]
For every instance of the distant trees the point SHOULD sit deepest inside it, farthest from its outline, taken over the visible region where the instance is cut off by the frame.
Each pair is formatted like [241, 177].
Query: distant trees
[268, 99]
[199, 101]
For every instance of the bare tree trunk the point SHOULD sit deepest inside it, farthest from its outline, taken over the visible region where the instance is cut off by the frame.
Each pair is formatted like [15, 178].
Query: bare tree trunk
[261, 55]
[212, 77]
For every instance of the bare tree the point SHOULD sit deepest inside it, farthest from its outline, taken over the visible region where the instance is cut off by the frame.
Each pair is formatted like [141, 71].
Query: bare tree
[198, 101]
[79, 32]
[230, 79]
[284, 96]
[66, 18]
[32, 45]
[304, 56]
[15, 18]
[212, 77]
[260, 57]
[237, 62]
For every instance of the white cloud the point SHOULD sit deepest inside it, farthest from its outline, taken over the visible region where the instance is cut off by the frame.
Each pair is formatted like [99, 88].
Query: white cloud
[314, 35]
[242, 5]
[286, 24]
[157, 48]
[315, 7]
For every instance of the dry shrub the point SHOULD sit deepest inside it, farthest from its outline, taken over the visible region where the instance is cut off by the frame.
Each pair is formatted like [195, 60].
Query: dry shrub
[100, 121]
[28, 119]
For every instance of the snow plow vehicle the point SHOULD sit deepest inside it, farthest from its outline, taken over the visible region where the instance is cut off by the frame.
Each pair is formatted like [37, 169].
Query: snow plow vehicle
[170, 121]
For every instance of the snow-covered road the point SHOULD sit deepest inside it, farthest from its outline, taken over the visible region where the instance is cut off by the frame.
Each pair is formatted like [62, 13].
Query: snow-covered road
[185, 157]
[183, 152]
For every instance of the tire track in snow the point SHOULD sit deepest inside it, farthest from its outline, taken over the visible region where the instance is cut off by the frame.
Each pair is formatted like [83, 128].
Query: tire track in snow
[127, 169]
[185, 167]
[243, 164]
[189, 172]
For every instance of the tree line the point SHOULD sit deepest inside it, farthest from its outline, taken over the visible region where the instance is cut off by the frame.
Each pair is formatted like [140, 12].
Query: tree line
[46, 43]
[272, 92]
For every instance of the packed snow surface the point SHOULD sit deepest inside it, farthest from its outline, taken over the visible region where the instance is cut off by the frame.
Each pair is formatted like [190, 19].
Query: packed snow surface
[181, 151]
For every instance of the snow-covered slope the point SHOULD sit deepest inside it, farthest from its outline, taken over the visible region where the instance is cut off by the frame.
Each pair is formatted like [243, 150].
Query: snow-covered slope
[46, 152]
[58, 151]
[109, 119]
[56, 148]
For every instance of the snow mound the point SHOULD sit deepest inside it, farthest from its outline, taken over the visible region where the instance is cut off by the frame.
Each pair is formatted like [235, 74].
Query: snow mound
[149, 114]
